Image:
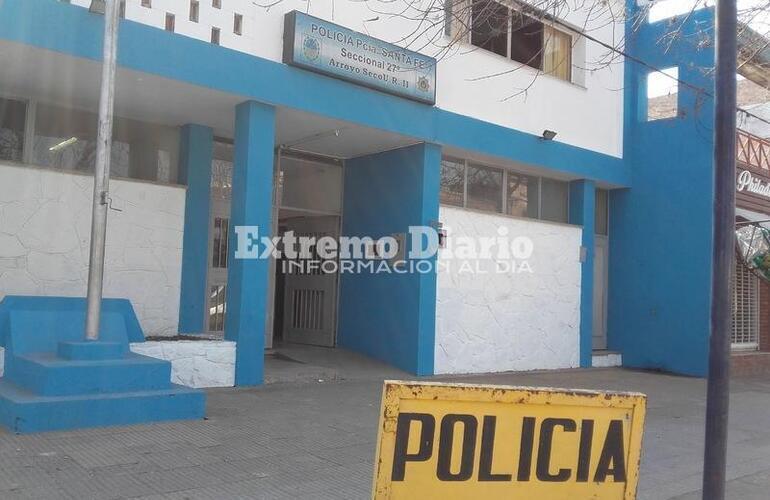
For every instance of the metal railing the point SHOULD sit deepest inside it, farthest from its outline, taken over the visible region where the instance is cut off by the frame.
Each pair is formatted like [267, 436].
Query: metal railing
[752, 150]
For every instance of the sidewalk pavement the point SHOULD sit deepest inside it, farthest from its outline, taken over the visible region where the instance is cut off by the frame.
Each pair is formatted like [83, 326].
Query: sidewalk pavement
[316, 441]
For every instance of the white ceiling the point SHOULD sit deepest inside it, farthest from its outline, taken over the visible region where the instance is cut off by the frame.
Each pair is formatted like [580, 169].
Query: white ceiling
[55, 78]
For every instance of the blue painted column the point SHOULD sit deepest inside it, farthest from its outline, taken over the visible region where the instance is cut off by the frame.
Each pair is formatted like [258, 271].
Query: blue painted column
[391, 316]
[582, 205]
[196, 146]
[248, 278]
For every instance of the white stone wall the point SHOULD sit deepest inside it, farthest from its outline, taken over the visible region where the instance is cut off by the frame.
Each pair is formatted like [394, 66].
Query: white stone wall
[509, 321]
[45, 222]
[517, 97]
[194, 363]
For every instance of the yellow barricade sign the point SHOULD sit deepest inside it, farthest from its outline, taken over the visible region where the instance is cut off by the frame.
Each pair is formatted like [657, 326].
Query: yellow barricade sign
[451, 441]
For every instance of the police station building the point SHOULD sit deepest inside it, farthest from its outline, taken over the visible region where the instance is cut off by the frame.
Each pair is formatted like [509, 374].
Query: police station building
[480, 120]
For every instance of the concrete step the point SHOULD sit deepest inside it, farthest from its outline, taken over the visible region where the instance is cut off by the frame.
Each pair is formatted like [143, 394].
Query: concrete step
[603, 358]
[23, 411]
[46, 374]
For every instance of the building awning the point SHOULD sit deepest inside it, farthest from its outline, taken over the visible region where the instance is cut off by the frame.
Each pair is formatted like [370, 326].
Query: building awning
[753, 55]
[752, 216]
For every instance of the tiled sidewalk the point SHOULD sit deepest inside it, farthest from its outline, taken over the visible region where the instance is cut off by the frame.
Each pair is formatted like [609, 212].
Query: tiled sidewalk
[316, 441]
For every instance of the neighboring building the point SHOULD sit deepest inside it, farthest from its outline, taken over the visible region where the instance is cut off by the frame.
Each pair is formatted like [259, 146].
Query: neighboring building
[214, 131]
[751, 320]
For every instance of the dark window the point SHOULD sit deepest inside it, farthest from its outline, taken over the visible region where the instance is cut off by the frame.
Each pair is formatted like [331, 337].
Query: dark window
[601, 212]
[554, 204]
[13, 117]
[523, 199]
[170, 22]
[215, 36]
[238, 24]
[485, 188]
[489, 29]
[194, 10]
[452, 182]
[527, 40]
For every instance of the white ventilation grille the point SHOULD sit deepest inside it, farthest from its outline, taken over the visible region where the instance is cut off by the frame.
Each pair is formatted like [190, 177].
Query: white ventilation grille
[745, 309]
[307, 313]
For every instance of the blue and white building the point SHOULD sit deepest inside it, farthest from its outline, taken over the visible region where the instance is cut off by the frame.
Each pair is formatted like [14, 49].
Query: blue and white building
[223, 119]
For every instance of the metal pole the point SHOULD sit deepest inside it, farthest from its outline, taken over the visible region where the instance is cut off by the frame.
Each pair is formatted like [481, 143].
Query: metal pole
[718, 394]
[102, 172]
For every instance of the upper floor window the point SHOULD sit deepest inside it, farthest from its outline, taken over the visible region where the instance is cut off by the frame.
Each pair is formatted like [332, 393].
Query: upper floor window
[217, 4]
[520, 37]
[147, 3]
[662, 94]
[238, 24]
[170, 22]
[194, 10]
[215, 36]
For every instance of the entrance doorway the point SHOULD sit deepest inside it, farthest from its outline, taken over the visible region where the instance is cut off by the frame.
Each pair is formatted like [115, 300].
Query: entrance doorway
[219, 231]
[307, 201]
[306, 288]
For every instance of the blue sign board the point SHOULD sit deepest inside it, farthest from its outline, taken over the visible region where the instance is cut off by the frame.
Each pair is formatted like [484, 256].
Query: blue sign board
[317, 45]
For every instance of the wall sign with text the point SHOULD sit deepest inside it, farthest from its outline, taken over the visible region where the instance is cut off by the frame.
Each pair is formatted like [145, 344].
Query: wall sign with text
[453, 441]
[752, 190]
[318, 45]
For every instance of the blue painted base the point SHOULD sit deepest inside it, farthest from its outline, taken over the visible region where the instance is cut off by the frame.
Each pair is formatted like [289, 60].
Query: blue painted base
[26, 412]
[56, 381]
[91, 350]
[49, 375]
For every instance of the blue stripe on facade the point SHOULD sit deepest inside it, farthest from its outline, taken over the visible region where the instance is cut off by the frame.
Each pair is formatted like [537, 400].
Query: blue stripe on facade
[49, 24]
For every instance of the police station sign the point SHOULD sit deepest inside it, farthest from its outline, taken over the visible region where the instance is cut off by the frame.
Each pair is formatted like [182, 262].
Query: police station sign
[453, 441]
[317, 45]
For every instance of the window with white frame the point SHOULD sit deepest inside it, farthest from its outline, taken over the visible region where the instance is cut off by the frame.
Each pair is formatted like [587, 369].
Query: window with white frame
[745, 334]
[496, 190]
[533, 39]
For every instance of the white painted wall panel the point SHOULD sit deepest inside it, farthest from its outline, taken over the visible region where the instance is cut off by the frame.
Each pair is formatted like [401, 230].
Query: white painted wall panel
[45, 219]
[194, 363]
[506, 322]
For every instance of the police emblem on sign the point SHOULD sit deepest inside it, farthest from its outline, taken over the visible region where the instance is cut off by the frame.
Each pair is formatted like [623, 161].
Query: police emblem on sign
[311, 48]
[423, 84]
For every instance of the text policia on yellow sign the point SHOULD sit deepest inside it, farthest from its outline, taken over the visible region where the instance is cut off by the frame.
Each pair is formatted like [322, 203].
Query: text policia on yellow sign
[451, 441]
